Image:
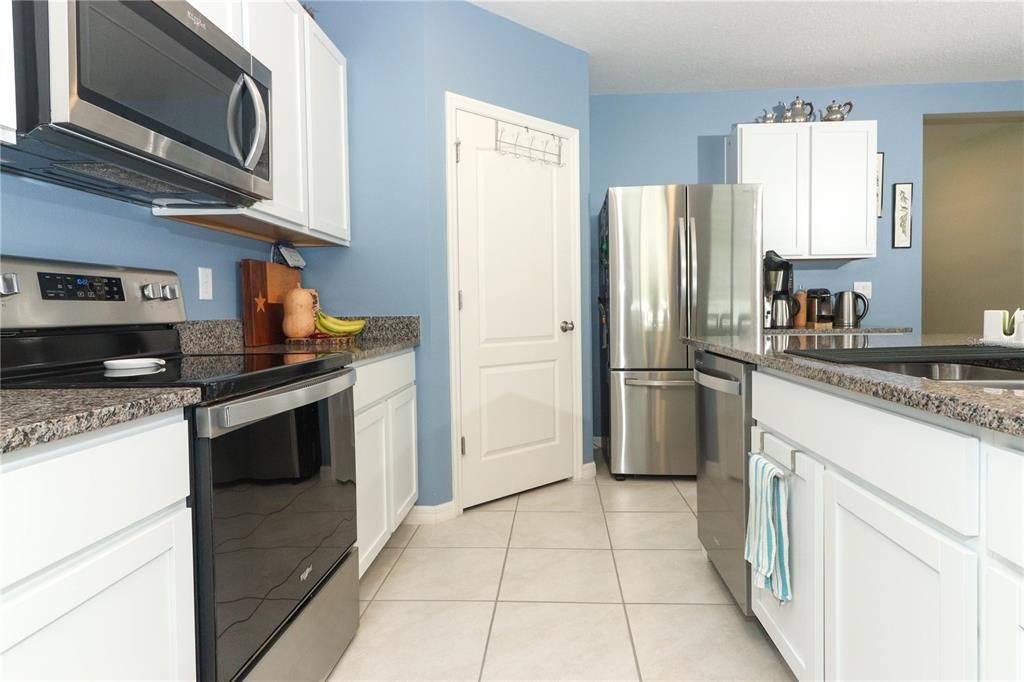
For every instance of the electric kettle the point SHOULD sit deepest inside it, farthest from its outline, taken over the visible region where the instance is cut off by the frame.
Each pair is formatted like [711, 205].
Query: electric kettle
[844, 311]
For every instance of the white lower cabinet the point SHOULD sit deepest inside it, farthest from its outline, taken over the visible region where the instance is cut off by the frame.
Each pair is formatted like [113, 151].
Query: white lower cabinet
[371, 483]
[1002, 630]
[796, 626]
[96, 542]
[901, 600]
[386, 454]
[122, 611]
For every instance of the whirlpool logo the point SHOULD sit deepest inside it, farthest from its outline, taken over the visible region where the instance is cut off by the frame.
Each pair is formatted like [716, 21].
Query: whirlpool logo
[305, 574]
[196, 19]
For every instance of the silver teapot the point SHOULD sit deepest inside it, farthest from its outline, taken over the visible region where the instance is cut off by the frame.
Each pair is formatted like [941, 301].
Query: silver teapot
[836, 111]
[802, 111]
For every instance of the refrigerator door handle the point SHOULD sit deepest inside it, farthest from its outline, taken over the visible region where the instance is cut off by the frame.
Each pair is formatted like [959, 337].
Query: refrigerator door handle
[684, 265]
[673, 383]
[720, 384]
[692, 268]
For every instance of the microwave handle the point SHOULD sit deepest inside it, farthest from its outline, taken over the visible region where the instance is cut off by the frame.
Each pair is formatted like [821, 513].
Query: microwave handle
[260, 110]
[217, 420]
[232, 118]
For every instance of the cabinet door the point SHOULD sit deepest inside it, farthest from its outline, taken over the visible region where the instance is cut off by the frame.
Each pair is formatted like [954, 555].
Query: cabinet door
[778, 157]
[843, 168]
[274, 35]
[796, 626]
[1002, 632]
[403, 488]
[225, 14]
[900, 599]
[327, 122]
[371, 483]
[124, 610]
[8, 110]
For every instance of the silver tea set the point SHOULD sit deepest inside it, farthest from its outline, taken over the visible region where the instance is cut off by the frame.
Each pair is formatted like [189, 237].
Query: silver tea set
[799, 111]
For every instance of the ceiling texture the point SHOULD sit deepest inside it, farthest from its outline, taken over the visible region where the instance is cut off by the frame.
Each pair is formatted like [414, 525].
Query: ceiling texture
[680, 46]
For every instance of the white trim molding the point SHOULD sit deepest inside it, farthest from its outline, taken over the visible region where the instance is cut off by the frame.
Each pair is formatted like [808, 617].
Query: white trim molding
[571, 150]
[587, 471]
[423, 515]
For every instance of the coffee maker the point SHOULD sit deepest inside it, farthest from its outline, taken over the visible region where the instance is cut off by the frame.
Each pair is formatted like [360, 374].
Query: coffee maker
[780, 307]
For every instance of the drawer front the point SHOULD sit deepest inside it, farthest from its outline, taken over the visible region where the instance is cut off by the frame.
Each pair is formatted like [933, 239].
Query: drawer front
[1004, 471]
[87, 489]
[933, 470]
[380, 378]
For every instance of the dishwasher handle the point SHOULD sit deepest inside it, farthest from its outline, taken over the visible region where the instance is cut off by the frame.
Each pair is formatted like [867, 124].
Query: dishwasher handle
[658, 383]
[716, 383]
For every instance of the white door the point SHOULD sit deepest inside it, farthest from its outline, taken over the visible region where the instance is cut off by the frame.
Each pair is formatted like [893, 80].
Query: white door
[1002, 632]
[843, 169]
[403, 486]
[371, 427]
[796, 626]
[901, 600]
[327, 125]
[778, 157]
[123, 610]
[517, 275]
[274, 34]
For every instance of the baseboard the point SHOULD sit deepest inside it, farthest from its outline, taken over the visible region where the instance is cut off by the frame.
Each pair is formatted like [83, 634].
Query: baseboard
[422, 515]
[589, 471]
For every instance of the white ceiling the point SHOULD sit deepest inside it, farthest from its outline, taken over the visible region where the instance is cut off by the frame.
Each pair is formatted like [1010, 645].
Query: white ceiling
[686, 46]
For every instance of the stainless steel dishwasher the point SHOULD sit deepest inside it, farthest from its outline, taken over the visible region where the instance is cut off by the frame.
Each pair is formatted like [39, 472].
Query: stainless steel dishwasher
[723, 441]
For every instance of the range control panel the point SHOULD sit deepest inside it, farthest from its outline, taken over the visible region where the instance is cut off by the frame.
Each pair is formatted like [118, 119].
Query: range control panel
[65, 287]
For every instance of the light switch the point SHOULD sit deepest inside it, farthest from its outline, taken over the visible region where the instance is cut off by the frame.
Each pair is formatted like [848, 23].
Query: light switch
[863, 288]
[205, 284]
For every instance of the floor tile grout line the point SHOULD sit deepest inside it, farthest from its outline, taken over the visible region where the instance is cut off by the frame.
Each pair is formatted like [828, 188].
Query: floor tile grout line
[398, 558]
[497, 594]
[618, 580]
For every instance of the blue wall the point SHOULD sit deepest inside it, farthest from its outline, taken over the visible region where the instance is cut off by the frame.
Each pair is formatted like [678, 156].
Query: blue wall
[402, 57]
[655, 138]
[39, 219]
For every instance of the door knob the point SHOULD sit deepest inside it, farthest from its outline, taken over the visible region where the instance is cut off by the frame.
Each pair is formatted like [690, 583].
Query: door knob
[567, 326]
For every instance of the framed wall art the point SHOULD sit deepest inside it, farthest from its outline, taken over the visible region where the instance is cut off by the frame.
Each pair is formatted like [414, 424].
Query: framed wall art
[902, 214]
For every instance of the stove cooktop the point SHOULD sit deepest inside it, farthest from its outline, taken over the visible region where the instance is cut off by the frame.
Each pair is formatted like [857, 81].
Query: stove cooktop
[218, 376]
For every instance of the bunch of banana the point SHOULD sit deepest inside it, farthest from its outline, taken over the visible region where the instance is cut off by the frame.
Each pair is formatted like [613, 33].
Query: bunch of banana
[334, 326]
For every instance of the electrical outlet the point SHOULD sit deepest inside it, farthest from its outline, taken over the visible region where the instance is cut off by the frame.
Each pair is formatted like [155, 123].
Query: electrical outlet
[205, 284]
[863, 288]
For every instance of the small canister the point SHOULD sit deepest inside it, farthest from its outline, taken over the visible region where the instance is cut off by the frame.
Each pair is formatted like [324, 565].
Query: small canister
[800, 320]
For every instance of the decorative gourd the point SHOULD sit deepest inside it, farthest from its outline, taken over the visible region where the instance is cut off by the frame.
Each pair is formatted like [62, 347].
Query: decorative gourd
[299, 313]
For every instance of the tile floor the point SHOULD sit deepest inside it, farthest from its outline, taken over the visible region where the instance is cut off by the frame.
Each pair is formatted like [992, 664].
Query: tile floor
[584, 580]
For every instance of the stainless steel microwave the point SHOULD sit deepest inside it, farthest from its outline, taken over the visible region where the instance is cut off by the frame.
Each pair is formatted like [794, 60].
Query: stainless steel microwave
[144, 100]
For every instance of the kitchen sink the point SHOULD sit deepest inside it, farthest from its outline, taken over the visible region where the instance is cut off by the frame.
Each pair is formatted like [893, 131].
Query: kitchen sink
[986, 366]
[953, 371]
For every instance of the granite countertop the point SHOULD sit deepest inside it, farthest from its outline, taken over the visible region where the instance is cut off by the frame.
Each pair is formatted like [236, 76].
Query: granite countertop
[996, 409]
[33, 416]
[837, 331]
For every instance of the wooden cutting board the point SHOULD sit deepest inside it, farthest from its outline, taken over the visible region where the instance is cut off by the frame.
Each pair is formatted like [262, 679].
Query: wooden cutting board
[263, 288]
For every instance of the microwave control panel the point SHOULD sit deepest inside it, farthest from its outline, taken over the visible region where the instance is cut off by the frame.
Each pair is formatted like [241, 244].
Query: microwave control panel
[64, 287]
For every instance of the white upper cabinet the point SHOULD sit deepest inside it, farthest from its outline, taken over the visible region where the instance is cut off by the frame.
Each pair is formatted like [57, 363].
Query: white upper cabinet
[225, 14]
[327, 123]
[776, 157]
[8, 111]
[819, 186]
[274, 34]
[309, 127]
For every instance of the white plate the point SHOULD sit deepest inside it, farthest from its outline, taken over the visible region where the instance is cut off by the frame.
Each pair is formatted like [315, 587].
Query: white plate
[121, 373]
[134, 363]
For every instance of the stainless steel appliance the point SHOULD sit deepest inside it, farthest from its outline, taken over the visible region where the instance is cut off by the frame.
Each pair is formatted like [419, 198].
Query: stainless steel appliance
[819, 306]
[845, 313]
[724, 421]
[145, 101]
[273, 458]
[780, 304]
[680, 259]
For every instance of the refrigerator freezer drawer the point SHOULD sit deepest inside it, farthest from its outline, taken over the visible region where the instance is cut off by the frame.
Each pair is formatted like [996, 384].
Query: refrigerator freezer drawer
[654, 422]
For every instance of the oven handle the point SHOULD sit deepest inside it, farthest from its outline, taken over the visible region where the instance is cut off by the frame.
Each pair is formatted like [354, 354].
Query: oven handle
[217, 420]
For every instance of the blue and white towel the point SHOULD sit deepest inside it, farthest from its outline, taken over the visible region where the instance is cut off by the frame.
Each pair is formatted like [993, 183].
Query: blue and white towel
[767, 548]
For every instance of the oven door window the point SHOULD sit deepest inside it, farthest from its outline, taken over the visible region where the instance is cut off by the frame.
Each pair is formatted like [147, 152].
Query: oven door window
[140, 63]
[283, 505]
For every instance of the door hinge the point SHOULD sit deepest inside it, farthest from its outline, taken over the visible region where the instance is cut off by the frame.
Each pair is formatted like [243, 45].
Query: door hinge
[460, 299]
[458, 151]
[463, 446]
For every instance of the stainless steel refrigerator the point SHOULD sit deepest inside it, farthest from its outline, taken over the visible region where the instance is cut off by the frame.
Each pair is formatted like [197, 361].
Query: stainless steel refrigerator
[675, 258]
